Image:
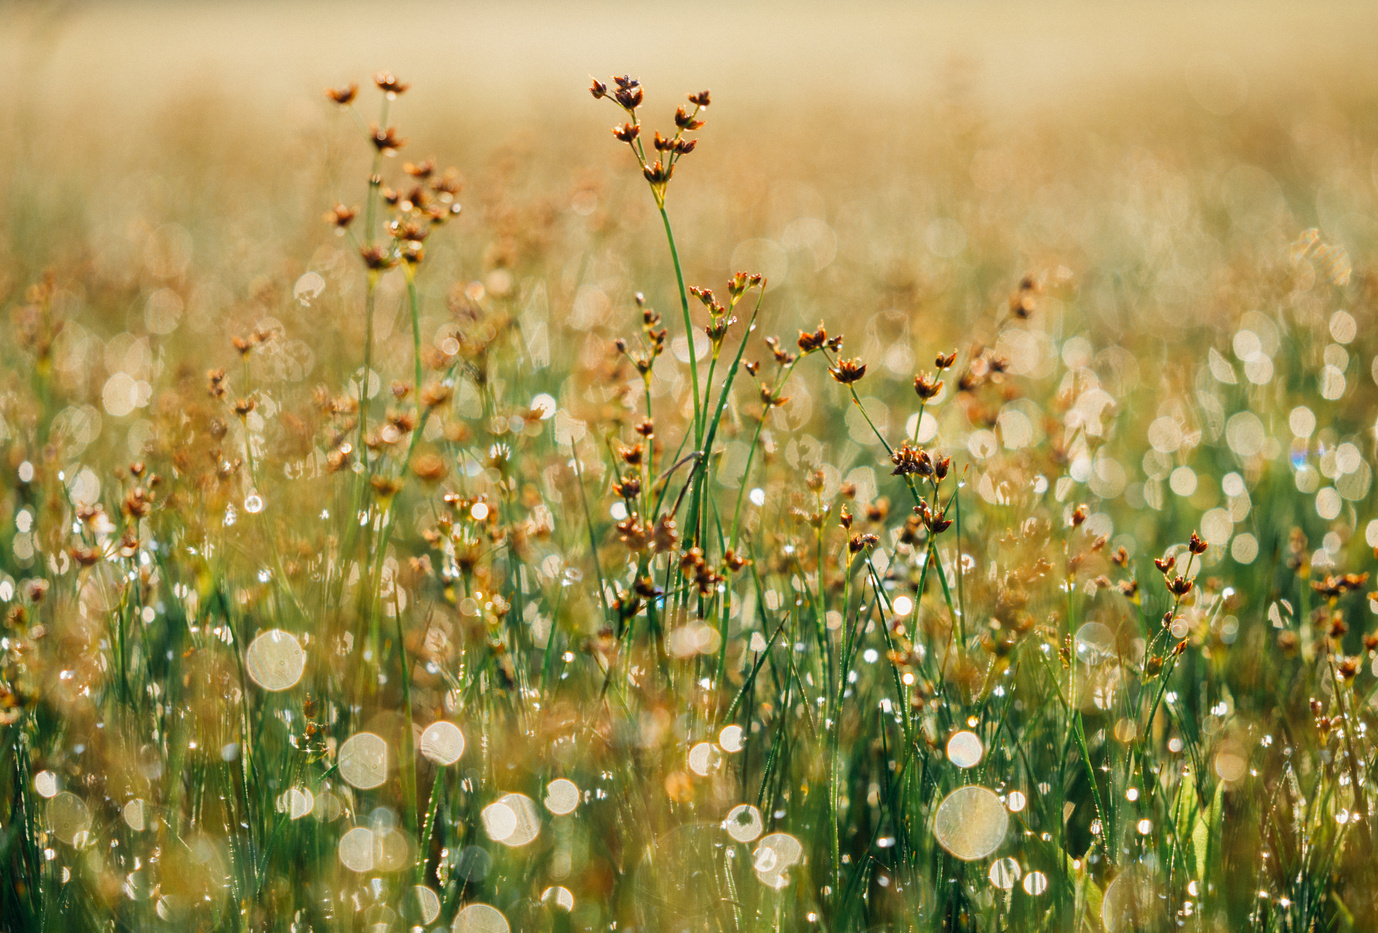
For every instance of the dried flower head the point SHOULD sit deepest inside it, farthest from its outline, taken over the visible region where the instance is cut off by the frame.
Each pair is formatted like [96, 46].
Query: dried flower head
[343, 95]
[388, 83]
[848, 372]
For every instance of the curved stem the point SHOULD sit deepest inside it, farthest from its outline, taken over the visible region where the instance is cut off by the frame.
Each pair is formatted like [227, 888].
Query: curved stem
[688, 329]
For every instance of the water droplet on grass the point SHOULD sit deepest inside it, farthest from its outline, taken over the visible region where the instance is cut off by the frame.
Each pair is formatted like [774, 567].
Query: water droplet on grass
[964, 749]
[275, 660]
[442, 743]
[480, 918]
[513, 820]
[427, 902]
[355, 850]
[970, 823]
[45, 783]
[743, 823]
[775, 855]
[561, 796]
[363, 761]
[1128, 903]
[70, 818]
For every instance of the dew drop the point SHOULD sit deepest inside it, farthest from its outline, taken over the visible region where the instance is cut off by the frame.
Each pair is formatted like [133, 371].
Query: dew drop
[970, 823]
[363, 760]
[442, 743]
[561, 796]
[743, 823]
[275, 660]
[480, 918]
[964, 749]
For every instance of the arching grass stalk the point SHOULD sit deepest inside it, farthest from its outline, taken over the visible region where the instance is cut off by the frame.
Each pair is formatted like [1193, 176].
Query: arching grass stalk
[688, 330]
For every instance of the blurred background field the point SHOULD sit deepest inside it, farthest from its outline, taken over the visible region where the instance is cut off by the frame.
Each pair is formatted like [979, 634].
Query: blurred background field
[1146, 228]
[997, 132]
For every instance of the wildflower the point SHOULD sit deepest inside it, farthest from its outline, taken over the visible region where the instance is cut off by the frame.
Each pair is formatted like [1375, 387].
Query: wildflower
[1197, 546]
[817, 340]
[628, 93]
[862, 542]
[343, 95]
[734, 561]
[598, 89]
[646, 588]
[927, 386]
[665, 535]
[341, 216]
[386, 140]
[945, 361]
[376, 258]
[389, 84]
[700, 99]
[658, 174]
[686, 122]
[848, 372]
[911, 460]
[627, 132]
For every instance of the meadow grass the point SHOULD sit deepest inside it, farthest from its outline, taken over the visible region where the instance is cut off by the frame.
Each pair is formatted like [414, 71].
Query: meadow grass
[1004, 567]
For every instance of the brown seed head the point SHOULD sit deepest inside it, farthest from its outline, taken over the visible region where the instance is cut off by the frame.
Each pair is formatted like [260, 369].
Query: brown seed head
[341, 216]
[386, 140]
[376, 258]
[927, 386]
[848, 372]
[389, 84]
[342, 95]
[817, 340]
[685, 121]
[420, 170]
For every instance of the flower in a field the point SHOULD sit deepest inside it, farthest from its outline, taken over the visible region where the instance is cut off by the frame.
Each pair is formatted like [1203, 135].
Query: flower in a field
[386, 140]
[848, 372]
[341, 216]
[388, 83]
[808, 343]
[926, 386]
[343, 95]
[911, 460]
[628, 93]
[376, 258]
